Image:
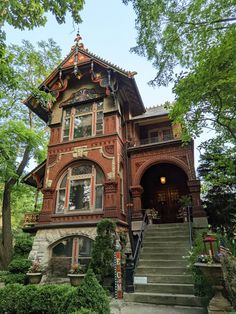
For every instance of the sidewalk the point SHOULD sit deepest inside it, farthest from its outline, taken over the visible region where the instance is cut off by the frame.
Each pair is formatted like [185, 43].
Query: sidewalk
[122, 307]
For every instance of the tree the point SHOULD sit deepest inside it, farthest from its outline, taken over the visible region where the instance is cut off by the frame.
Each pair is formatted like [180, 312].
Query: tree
[173, 32]
[205, 97]
[27, 15]
[22, 134]
[217, 169]
[199, 36]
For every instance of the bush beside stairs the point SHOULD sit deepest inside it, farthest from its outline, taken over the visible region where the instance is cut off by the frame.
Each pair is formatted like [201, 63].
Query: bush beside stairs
[162, 262]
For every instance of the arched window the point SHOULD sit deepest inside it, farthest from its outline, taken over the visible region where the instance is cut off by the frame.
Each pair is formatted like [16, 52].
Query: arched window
[80, 189]
[70, 251]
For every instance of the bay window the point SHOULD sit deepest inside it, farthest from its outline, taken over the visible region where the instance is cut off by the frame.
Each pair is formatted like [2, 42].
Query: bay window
[80, 189]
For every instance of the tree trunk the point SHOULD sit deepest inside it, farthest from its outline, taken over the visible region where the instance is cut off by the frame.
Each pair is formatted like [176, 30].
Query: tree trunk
[6, 247]
[6, 241]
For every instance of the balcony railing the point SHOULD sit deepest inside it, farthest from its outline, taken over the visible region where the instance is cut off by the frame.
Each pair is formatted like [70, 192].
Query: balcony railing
[31, 219]
[152, 140]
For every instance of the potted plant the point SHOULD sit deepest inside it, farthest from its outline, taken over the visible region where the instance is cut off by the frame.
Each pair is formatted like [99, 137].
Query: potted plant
[76, 275]
[35, 272]
[211, 268]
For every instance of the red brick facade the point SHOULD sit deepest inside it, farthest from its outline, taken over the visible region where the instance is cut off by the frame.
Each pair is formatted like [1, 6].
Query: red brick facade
[131, 141]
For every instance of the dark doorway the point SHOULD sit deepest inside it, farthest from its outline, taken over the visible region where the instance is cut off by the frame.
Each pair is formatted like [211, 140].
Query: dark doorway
[163, 186]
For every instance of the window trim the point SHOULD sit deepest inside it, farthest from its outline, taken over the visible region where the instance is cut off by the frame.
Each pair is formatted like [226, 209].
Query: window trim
[75, 251]
[93, 112]
[92, 196]
[160, 134]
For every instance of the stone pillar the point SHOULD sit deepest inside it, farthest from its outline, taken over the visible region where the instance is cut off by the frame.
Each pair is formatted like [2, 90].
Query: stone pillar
[199, 214]
[137, 191]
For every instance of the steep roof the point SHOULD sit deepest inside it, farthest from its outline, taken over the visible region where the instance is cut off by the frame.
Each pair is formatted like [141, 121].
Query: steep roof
[82, 57]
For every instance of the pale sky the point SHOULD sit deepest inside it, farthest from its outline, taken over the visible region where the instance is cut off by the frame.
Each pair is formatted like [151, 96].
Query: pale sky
[108, 30]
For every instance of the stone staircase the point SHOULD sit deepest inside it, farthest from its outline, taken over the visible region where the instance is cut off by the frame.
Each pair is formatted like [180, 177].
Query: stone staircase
[161, 276]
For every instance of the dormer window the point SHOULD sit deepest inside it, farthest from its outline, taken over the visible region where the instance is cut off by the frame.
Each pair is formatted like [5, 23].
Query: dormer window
[83, 120]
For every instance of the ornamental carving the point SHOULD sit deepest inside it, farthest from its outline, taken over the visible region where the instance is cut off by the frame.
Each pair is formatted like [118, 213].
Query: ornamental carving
[52, 159]
[183, 158]
[138, 164]
[48, 193]
[80, 96]
[109, 149]
[110, 187]
[80, 152]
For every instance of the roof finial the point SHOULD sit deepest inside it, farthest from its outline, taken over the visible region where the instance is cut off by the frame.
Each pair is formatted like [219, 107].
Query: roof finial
[78, 40]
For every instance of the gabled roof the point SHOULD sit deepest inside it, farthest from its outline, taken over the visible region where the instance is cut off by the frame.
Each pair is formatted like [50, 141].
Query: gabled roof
[82, 57]
[35, 177]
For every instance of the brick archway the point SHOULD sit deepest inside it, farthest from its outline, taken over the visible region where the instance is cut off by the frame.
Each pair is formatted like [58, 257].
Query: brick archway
[158, 160]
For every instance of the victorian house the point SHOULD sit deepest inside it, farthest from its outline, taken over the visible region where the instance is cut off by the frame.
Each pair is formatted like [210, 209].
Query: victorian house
[108, 157]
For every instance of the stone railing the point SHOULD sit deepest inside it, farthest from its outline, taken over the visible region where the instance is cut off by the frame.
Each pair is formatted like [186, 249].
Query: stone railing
[30, 219]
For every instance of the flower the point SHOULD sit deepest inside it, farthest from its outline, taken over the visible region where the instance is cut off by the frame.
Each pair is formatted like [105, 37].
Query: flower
[77, 269]
[203, 258]
[36, 267]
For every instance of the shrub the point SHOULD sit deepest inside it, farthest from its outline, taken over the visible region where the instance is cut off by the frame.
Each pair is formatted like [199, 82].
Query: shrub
[84, 311]
[229, 273]
[103, 250]
[23, 245]
[9, 298]
[15, 278]
[92, 296]
[51, 299]
[19, 265]
[201, 286]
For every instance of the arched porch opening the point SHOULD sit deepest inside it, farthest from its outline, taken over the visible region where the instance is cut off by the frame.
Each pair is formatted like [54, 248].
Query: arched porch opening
[163, 185]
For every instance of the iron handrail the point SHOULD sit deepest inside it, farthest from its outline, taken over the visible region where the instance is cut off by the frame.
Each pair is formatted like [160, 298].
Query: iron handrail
[190, 226]
[140, 240]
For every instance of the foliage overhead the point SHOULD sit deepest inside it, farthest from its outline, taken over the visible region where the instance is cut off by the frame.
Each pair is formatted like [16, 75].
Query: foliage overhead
[174, 32]
[205, 96]
[28, 15]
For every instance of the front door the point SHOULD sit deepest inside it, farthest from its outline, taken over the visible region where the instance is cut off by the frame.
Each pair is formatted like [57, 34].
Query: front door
[166, 202]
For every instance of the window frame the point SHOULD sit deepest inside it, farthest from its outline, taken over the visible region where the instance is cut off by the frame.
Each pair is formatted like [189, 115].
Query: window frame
[160, 137]
[75, 249]
[92, 195]
[94, 111]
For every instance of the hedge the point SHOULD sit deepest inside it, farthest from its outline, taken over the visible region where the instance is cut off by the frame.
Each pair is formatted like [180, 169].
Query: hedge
[88, 298]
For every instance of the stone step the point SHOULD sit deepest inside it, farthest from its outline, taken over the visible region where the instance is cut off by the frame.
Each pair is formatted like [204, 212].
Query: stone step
[162, 256]
[166, 238]
[147, 270]
[183, 242]
[164, 299]
[165, 288]
[169, 278]
[174, 244]
[166, 250]
[170, 226]
[160, 263]
[166, 231]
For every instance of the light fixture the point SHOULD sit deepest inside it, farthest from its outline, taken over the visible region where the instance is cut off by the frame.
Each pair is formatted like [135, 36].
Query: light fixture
[163, 180]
